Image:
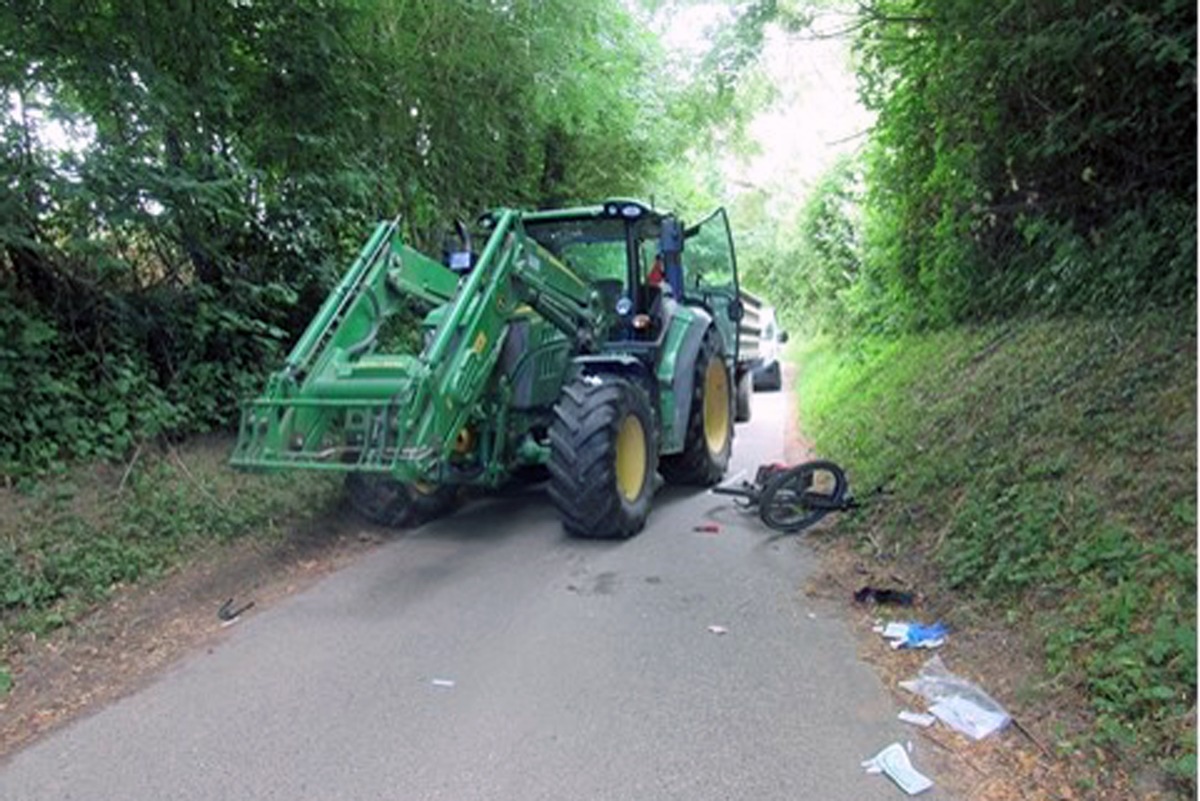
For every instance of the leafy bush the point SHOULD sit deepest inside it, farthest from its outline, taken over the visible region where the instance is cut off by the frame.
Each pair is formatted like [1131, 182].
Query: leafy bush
[1027, 157]
[66, 542]
[1048, 470]
[176, 206]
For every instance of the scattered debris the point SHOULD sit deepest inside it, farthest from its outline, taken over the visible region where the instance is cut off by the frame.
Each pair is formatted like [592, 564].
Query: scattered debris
[883, 595]
[969, 717]
[228, 615]
[917, 718]
[443, 682]
[894, 763]
[718, 629]
[812, 615]
[958, 703]
[707, 528]
[914, 635]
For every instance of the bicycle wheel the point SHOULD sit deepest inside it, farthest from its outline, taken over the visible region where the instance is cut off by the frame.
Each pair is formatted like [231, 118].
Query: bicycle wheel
[798, 498]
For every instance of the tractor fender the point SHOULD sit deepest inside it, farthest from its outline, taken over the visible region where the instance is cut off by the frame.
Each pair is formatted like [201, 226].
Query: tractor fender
[621, 364]
[697, 325]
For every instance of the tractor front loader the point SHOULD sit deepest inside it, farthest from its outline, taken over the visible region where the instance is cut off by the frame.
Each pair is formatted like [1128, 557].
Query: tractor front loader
[597, 344]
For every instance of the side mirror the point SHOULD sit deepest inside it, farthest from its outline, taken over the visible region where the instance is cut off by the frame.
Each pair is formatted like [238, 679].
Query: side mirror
[783, 337]
[736, 310]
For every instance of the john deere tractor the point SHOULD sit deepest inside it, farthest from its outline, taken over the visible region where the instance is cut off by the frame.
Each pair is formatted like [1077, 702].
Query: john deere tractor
[596, 344]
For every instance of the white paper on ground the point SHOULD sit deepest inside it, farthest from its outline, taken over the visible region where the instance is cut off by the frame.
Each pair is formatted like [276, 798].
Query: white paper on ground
[964, 715]
[893, 762]
[895, 631]
[917, 718]
[902, 642]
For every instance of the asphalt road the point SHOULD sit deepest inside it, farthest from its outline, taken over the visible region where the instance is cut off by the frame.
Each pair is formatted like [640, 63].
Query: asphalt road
[488, 656]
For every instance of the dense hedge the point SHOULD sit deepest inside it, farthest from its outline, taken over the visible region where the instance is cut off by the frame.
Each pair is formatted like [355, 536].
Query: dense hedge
[1026, 155]
[181, 188]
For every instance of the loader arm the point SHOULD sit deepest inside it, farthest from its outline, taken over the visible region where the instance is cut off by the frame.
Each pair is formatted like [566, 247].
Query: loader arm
[338, 404]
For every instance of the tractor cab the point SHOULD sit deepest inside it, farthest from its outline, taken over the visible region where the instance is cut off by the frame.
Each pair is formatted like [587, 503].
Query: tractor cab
[634, 256]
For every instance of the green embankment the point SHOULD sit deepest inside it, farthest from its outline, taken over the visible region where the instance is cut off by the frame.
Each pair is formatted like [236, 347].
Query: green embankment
[68, 541]
[1043, 473]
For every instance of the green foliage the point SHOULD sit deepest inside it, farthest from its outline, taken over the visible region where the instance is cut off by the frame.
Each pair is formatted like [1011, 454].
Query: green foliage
[184, 186]
[65, 543]
[1048, 469]
[1028, 156]
[818, 259]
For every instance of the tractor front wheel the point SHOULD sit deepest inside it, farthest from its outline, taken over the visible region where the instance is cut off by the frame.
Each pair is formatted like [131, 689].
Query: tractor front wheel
[385, 501]
[603, 457]
[709, 438]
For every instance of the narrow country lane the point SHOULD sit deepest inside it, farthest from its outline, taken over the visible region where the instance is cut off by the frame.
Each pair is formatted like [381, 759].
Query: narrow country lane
[488, 656]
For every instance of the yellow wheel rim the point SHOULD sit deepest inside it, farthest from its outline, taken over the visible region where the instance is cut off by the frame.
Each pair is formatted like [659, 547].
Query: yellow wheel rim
[716, 406]
[631, 458]
[424, 487]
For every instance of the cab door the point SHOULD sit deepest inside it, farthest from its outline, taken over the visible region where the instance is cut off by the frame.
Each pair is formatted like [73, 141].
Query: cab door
[710, 275]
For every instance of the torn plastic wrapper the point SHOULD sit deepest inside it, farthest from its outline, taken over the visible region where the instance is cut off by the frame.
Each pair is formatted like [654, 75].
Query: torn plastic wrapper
[957, 702]
[914, 635]
[894, 763]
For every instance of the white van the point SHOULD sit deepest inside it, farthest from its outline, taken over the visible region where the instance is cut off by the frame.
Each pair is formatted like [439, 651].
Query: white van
[767, 372]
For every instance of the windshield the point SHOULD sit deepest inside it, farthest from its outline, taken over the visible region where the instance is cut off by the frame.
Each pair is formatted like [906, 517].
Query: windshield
[594, 248]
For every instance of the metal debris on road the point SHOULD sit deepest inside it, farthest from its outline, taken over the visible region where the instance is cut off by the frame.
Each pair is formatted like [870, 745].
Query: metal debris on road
[443, 682]
[707, 528]
[228, 615]
[718, 629]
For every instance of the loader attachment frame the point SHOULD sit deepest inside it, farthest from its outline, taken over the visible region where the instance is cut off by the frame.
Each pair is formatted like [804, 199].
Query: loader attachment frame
[338, 404]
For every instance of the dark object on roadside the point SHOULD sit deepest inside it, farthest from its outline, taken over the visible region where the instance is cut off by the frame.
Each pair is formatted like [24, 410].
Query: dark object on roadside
[884, 596]
[228, 614]
[790, 499]
[707, 528]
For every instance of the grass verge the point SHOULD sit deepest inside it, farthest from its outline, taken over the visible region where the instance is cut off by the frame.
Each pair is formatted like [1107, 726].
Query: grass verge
[67, 542]
[1042, 473]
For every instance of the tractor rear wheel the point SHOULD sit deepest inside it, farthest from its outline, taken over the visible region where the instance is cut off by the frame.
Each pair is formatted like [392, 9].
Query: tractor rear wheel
[709, 438]
[603, 457]
[385, 501]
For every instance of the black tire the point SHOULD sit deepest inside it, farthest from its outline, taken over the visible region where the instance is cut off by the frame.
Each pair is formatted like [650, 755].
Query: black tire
[797, 498]
[705, 455]
[385, 501]
[745, 391]
[599, 421]
[769, 380]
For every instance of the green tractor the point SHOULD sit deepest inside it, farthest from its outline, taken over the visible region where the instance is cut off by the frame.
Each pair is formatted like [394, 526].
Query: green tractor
[596, 344]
